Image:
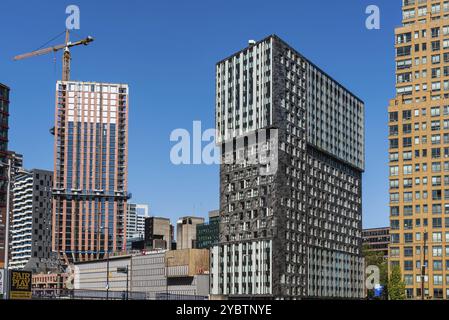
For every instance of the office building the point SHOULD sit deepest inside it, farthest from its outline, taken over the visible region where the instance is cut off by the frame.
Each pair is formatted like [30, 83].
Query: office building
[157, 233]
[186, 232]
[376, 240]
[292, 141]
[31, 224]
[419, 150]
[91, 160]
[207, 234]
[135, 220]
[4, 127]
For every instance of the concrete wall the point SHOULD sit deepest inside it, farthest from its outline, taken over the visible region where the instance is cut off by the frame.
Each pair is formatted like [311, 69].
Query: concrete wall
[148, 274]
[93, 276]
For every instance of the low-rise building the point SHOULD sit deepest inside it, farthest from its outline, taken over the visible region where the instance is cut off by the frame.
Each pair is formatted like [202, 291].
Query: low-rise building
[148, 274]
[377, 239]
[155, 275]
[49, 284]
[188, 272]
[91, 277]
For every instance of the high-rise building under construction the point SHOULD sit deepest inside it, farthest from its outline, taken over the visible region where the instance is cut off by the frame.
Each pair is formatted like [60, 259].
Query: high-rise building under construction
[90, 175]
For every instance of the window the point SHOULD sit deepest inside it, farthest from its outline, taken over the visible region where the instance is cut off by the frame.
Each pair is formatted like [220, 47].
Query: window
[394, 211]
[438, 280]
[408, 210]
[436, 208]
[437, 251]
[394, 184]
[394, 197]
[437, 223]
[393, 116]
[394, 224]
[407, 142]
[436, 237]
[394, 130]
[406, 115]
[407, 169]
[394, 157]
[435, 111]
[435, 125]
[394, 251]
[394, 144]
[408, 237]
[394, 171]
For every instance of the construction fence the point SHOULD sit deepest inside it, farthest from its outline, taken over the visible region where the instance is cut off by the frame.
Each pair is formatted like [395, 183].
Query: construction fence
[78, 294]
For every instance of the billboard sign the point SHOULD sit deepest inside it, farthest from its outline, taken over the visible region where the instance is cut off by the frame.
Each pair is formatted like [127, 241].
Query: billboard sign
[20, 285]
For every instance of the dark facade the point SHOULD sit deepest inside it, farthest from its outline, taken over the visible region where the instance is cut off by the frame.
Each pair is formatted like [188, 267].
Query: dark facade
[4, 116]
[377, 239]
[207, 234]
[157, 233]
[290, 227]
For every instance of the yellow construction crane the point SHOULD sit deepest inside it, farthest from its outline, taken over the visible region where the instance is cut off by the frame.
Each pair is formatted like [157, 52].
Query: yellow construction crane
[66, 56]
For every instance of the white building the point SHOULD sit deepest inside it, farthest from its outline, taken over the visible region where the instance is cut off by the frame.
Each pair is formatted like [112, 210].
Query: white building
[31, 222]
[136, 214]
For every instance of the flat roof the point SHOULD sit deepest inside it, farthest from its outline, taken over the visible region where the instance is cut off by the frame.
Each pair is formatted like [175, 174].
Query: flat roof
[373, 229]
[274, 36]
[104, 259]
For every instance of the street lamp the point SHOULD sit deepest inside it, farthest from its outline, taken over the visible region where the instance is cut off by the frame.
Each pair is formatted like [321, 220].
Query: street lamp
[8, 200]
[107, 263]
[166, 276]
[6, 264]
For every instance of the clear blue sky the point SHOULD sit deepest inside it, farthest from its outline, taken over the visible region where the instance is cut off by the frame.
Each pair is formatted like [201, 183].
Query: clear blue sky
[166, 51]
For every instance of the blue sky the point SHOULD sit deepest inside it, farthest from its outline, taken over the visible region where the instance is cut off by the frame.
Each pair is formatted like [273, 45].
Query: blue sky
[166, 51]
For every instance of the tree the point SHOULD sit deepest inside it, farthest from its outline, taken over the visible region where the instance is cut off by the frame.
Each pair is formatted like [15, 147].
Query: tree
[396, 286]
